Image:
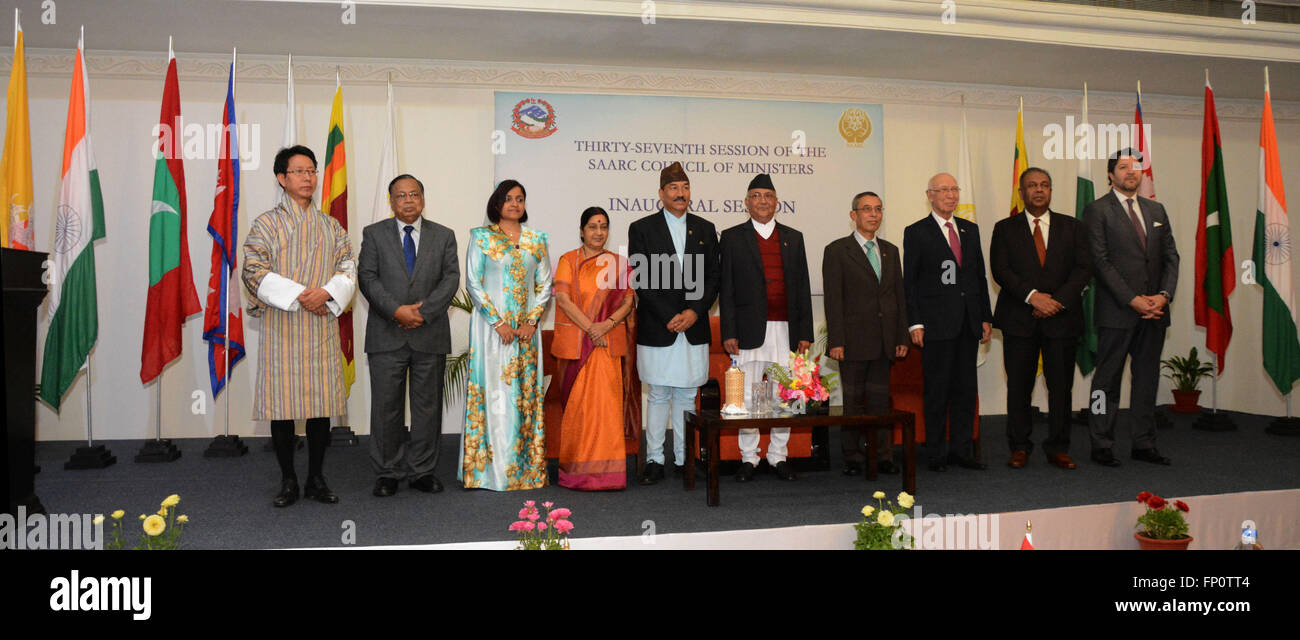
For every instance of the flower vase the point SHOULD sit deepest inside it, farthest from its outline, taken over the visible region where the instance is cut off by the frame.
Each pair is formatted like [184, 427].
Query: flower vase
[1153, 544]
[819, 408]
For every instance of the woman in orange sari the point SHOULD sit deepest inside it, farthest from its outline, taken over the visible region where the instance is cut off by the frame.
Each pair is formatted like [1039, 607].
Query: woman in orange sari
[593, 333]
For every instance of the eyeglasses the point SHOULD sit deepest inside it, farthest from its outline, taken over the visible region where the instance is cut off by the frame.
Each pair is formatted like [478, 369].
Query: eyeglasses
[869, 209]
[303, 173]
[946, 190]
[412, 195]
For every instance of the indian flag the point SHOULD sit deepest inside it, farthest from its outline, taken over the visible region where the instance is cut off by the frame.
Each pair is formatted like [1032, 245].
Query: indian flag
[16, 166]
[74, 318]
[1272, 258]
[334, 202]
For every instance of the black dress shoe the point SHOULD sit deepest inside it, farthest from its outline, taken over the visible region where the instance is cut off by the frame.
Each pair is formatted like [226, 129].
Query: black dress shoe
[745, 473]
[288, 493]
[783, 470]
[427, 484]
[385, 487]
[679, 470]
[318, 491]
[1149, 455]
[968, 463]
[1104, 458]
[938, 465]
[651, 473]
[853, 468]
[887, 466]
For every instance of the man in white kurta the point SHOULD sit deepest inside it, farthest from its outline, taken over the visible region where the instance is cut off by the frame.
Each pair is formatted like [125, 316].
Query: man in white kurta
[299, 268]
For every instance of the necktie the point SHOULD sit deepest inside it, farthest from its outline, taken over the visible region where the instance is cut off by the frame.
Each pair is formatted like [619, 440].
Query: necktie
[408, 247]
[1137, 224]
[873, 258]
[954, 243]
[1039, 244]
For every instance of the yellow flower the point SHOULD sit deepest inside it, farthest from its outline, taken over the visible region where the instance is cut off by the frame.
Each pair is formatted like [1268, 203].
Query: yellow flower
[154, 525]
[163, 512]
[905, 500]
[117, 515]
[868, 510]
[142, 517]
[885, 518]
[98, 519]
[878, 495]
[183, 519]
[171, 500]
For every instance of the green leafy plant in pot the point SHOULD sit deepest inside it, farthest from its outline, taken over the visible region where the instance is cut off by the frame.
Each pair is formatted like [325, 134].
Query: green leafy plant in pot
[1185, 374]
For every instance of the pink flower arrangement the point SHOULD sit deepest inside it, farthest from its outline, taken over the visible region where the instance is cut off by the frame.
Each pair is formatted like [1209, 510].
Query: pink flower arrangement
[535, 533]
[802, 380]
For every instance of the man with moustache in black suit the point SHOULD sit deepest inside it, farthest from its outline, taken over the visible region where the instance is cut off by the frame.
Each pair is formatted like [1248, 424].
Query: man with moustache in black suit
[1040, 259]
[948, 306]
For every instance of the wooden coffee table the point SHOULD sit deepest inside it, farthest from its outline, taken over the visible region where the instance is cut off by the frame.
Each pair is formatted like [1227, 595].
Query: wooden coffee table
[710, 423]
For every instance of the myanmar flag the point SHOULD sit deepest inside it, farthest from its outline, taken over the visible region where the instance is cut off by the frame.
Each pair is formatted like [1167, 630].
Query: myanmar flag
[334, 202]
[74, 317]
[172, 297]
[1215, 275]
[16, 166]
[1019, 162]
[1272, 258]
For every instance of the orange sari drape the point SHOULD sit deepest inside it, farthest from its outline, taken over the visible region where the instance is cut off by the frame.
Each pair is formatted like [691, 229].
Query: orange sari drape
[595, 381]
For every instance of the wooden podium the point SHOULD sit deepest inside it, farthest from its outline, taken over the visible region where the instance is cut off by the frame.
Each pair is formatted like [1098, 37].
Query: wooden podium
[21, 277]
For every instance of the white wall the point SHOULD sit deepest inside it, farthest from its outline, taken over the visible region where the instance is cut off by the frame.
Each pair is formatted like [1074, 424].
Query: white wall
[445, 138]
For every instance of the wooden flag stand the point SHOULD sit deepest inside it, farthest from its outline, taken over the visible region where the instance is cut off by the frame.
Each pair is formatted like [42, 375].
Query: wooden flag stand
[91, 456]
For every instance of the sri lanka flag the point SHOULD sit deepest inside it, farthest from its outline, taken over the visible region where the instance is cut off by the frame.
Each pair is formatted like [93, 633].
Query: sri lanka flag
[224, 316]
[334, 203]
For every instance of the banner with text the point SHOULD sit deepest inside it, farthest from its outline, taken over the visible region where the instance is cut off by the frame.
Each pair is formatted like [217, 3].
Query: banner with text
[573, 151]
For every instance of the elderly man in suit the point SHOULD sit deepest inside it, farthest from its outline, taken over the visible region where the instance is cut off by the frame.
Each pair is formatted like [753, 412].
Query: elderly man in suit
[866, 324]
[1136, 266]
[765, 304]
[409, 273]
[674, 259]
[948, 306]
[1040, 259]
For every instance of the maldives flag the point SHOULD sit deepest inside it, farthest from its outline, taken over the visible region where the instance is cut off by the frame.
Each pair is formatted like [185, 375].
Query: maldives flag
[334, 202]
[172, 297]
[1215, 274]
[224, 317]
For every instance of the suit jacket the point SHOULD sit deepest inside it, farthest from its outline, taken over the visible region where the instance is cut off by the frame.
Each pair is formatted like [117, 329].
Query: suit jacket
[742, 297]
[381, 272]
[1014, 263]
[1123, 270]
[936, 297]
[864, 314]
[663, 288]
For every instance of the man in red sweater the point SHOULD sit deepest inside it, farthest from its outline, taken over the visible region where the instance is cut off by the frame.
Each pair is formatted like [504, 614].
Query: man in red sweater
[765, 303]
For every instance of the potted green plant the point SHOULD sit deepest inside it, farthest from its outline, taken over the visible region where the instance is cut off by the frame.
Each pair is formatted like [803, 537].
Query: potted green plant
[1163, 525]
[1185, 374]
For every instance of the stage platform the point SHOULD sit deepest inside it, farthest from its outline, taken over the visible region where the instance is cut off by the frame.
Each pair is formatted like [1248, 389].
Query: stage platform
[1226, 477]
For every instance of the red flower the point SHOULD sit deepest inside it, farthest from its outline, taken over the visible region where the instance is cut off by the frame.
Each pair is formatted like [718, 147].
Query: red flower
[1156, 502]
[1181, 505]
[1144, 496]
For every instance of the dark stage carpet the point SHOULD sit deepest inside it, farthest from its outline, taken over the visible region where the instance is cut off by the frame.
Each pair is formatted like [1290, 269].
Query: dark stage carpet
[229, 500]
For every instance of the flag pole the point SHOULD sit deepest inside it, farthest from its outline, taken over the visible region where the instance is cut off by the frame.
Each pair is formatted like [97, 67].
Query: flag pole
[225, 305]
[90, 434]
